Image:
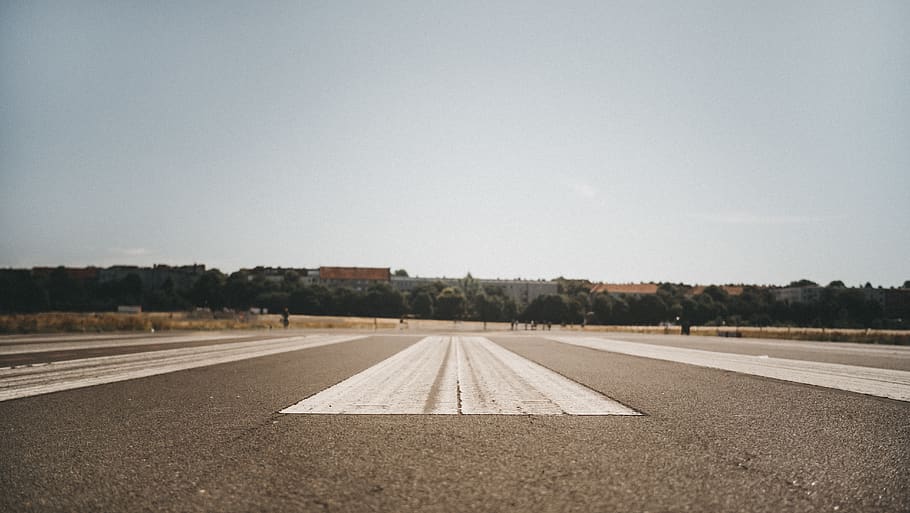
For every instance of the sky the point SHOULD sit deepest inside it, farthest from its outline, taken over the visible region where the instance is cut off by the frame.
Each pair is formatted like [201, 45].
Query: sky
[697, 142]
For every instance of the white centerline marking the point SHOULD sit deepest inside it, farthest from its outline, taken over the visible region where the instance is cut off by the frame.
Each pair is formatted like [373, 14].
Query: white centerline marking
[21, 382]
[459, 375]
[893, 384]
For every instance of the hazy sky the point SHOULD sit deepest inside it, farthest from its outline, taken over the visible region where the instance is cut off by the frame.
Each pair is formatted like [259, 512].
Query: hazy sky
[703, 142]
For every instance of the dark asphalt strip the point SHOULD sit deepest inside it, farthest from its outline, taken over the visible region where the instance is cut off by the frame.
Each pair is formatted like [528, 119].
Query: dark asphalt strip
[209, 439]
[12, 360]
[147, 444]
[854, 448]
[879, 356]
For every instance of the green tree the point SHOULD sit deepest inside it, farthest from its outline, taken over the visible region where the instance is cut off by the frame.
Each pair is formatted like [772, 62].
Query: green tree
[64, 292]
[469, 286]
[647, 309]
[671, 293]
[241, 293]
[290, 279]
[602, 306]
[209, 290]
[548, 308]
[620, 311]
[19, 292]
[274, 300]
[381, 300]
[707, 309]
[339, 301]
[421, 302]
[717, 294]
[315, 300]
[486, 308]
[573, 287]
[451, 304]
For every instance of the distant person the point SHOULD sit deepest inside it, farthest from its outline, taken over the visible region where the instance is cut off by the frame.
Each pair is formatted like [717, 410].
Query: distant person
[285, 318]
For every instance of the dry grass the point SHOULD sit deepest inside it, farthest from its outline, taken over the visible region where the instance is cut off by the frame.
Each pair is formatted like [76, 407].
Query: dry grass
[53, 322]
[896, 337]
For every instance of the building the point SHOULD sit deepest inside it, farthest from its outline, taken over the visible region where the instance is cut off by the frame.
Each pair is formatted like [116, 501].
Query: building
[731, 290]
[183, 276]
[310, 277]
[80, 274]
[357, 278]
[409, 283]
[625, 289]
[118, 272]
[275, 275]
[645, 289]
[522, 292]
[793, 295]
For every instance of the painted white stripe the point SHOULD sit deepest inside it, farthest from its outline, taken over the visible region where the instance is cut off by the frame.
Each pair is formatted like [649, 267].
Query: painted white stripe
[452, 375]
[70, 344]
[34, 380]
[894, 384]
[401, 383]
[64, 337]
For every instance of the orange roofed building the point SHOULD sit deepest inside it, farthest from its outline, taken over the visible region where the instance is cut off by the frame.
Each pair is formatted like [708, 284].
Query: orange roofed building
[644, 289]
[357, 278]
[733, 290]
[621, 289]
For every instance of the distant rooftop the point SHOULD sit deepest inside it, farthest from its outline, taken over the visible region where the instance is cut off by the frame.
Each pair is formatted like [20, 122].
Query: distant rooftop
[651, 288]
[733, 290]
[355, 273]
[625, 288]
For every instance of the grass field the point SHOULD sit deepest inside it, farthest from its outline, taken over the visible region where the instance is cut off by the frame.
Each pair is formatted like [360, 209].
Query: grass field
[896, 337]
[53, 322]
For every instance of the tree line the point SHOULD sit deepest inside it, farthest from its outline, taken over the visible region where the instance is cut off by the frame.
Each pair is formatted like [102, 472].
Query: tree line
[838, 306]
[23, 292]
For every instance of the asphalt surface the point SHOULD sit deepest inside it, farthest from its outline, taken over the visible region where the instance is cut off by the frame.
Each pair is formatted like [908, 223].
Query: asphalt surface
[864, 355]
[28, 351]
[12, 360]
[211, 439]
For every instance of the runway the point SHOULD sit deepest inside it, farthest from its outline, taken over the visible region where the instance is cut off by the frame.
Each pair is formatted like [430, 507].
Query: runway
[213, 436]
[459, 375]
[29, 380]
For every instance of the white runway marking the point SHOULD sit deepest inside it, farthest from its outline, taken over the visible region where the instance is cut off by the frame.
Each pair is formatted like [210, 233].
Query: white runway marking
[894, 384]
[56, 337]
[20, 346]
[459, 375]
[54, 377]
